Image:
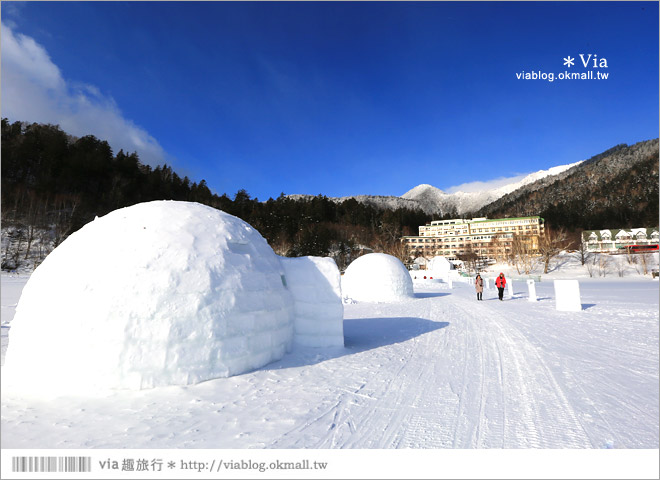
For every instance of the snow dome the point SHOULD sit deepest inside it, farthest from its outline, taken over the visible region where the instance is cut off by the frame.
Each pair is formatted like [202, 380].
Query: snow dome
[439, 266]
[377, 277]
[160, 293]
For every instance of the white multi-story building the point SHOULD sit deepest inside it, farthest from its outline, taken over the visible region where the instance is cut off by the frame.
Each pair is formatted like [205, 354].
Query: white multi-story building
[619, 239]
[488, 238]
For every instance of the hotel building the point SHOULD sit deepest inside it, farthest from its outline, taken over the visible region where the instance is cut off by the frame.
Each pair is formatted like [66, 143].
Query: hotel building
[488, 238]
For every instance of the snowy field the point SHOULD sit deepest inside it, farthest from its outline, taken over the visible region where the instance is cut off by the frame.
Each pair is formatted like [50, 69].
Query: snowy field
[439, 370]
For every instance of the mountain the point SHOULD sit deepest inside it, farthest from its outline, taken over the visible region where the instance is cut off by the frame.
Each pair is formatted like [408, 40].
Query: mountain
[380, 202]
[615, 189]
[435, 200]
[432, 200]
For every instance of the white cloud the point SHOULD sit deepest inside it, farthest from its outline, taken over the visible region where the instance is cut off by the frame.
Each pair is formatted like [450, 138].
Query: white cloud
[34, 90]
[485, 186]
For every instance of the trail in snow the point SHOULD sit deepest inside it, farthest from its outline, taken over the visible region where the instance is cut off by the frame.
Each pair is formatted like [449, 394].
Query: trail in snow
[475, 382]
[525, 406]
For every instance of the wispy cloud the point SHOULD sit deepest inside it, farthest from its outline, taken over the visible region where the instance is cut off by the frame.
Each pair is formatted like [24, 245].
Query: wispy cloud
[485, 186]
[34, 90]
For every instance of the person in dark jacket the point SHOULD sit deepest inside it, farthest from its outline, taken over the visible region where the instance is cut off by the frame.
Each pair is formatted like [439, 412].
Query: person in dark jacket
[479, 286]
[500, 283]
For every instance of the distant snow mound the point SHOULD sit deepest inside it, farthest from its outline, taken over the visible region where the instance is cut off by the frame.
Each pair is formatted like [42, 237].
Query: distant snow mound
[439, 266]
[377, 277]
[160, 293]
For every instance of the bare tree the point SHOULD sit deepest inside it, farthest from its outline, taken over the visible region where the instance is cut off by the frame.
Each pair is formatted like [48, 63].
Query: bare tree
[281, 245]
[630, 256]
[521, 253]
[390, 233]
[33, 222]
[604, 263]
[620, 266]
[582, 253]
[469, 259]
[551, 242]
[496, 247]
[65, 210]
[14, 237]
[645, 260]
[398, 249]
[591, 265]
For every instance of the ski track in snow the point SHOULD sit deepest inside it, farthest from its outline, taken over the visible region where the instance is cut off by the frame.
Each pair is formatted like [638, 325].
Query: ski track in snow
[439, 371]
[498, 393]
[532, 410]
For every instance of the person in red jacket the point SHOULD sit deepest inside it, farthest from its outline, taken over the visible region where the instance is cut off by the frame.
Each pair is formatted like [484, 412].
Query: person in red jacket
[500, 283]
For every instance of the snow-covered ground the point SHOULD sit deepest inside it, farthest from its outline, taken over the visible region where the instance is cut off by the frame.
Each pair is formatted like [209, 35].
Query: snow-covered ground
[440, 370]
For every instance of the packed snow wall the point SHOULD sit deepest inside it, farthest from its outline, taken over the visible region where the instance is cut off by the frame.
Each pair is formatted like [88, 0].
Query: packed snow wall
[160, 293]
[315, 284]
[377, 277]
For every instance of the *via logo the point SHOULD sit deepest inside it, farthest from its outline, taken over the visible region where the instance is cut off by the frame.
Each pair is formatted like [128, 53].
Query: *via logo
[587, 60]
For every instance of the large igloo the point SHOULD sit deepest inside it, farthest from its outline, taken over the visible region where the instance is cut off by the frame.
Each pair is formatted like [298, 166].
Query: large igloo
[377, 277]
[160, 293]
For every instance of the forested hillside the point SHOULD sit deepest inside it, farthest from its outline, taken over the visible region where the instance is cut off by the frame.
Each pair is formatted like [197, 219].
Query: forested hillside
[615, 189]
[53, 184]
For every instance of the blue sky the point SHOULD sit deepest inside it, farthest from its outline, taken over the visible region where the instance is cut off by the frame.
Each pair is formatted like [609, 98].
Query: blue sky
[338, 98]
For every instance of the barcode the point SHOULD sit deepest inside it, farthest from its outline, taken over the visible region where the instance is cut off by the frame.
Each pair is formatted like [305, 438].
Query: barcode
[51, 464]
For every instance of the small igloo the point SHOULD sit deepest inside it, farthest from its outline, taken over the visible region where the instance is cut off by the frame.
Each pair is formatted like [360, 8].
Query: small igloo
[439, 266]
[377, 277]
[160, 293]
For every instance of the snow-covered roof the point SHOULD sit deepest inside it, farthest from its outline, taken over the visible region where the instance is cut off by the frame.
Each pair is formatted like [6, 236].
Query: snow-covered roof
[618, 233]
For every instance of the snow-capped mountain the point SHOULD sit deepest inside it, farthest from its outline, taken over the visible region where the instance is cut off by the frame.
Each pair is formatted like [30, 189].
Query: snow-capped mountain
[616, 187]
[377, 201]
[434, 200]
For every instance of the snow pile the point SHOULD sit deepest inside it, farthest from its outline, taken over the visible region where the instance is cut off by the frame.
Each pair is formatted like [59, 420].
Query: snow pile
[377, 277]
[315, 284]
[160, 293]
[439, 267]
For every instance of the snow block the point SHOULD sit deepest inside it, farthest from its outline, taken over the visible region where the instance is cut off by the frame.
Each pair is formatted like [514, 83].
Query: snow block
[439, 267]
[531, 287]
[509, 287]
[567, 295]
[377, 277]
[315, 284]
[160, 293]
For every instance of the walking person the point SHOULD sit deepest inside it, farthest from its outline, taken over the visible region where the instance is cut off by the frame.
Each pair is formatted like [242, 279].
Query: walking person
[479, 287]
[500, 283]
